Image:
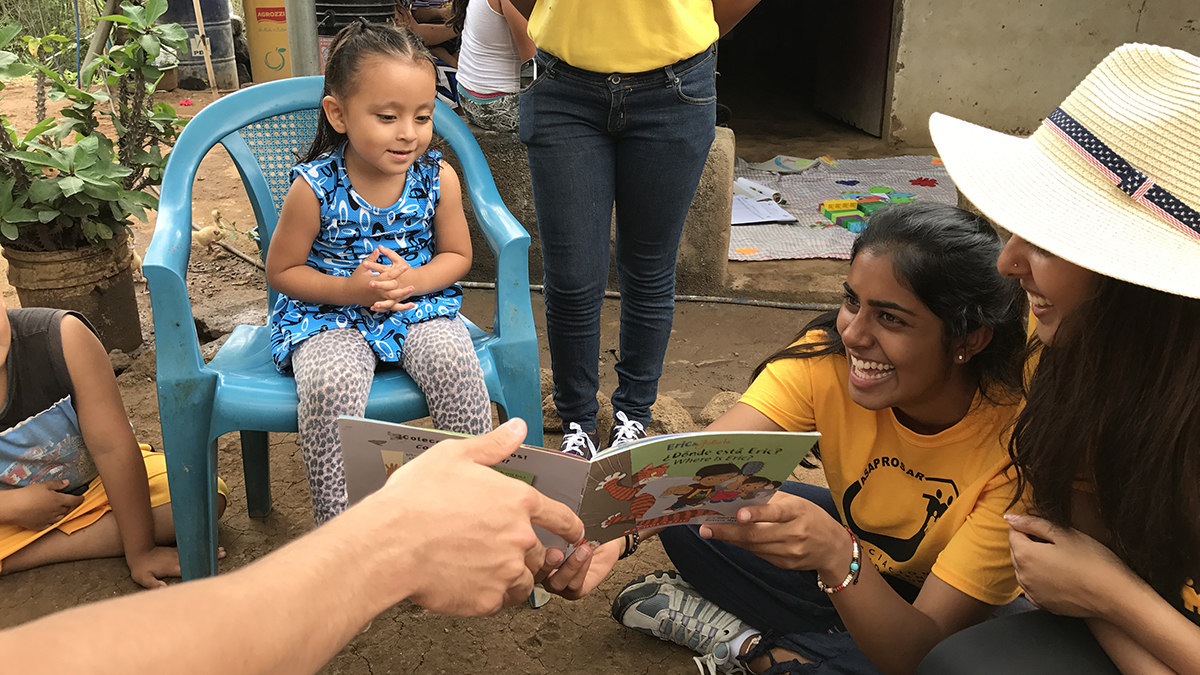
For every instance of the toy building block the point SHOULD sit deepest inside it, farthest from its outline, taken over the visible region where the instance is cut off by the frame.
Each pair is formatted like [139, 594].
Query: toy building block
[838, 205]
[871, 207]
[834, 215]
[849, 220]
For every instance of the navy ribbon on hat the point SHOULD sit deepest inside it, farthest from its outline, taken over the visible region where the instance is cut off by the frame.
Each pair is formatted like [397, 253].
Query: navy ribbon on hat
[1132, 182]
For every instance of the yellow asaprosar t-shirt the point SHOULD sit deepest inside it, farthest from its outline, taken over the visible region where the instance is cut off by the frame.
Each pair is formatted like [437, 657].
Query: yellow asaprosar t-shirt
[623, 36]
[918, 504]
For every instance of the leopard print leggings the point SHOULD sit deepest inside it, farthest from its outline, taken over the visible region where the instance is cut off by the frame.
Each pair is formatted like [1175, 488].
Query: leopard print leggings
[334, 370]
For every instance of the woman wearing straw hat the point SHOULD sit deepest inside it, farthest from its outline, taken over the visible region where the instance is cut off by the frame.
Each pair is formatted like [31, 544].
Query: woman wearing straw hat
[1104, 204]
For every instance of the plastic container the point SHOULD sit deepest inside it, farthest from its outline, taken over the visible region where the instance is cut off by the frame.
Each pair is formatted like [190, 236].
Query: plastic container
[266, 30]
[192, 72]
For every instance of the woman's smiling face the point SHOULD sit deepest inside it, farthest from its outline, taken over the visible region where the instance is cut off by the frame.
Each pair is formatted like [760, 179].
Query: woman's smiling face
[1055, 286]
[896, 346]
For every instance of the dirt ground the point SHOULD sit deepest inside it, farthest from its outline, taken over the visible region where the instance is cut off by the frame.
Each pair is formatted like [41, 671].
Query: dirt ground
[714, 348]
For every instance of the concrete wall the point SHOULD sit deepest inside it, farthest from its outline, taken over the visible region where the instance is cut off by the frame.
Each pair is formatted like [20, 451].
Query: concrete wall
[1005, 64]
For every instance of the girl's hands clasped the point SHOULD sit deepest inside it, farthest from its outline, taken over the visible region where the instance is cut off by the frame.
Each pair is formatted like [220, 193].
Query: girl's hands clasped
[789, 532]
[383, 287]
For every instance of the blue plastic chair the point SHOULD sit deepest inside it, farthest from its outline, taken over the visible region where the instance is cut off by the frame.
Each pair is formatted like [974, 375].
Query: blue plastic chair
[240, 390]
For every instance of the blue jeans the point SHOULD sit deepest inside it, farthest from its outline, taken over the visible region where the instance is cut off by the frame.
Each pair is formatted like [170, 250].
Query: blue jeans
[639, 141]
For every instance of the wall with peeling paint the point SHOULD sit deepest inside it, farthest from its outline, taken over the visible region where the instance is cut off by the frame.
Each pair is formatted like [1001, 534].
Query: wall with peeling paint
[1005, 64]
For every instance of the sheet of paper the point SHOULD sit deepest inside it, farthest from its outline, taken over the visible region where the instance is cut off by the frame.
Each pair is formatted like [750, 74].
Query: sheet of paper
[747, 211]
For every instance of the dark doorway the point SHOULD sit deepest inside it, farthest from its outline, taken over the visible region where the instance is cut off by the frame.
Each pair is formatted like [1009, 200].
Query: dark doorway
[790, 59]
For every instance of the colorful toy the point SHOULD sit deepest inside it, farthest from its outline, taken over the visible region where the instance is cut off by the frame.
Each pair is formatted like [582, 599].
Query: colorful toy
[851, 209]
[832, 205]
[853, 222]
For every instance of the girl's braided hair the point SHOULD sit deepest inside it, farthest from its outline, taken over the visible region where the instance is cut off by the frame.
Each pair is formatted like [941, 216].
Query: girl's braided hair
[351, 46]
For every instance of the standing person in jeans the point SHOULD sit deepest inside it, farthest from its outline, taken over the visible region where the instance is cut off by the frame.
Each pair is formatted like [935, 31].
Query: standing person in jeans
[622, 110]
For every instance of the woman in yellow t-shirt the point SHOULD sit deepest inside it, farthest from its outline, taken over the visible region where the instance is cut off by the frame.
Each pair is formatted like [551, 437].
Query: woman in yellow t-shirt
[621, 115]
[911, 384]
[1109, 441]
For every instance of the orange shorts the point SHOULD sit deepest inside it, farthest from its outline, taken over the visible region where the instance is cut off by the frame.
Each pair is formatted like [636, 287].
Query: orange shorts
[95, 504]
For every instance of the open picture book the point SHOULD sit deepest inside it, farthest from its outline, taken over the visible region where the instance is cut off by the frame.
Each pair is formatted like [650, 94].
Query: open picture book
[701, 477]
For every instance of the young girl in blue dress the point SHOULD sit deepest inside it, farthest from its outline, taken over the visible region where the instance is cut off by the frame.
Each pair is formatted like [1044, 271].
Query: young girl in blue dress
[369, 247]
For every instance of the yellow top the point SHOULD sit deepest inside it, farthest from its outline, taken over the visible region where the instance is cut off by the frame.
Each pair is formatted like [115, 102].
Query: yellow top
[919, 504]
[623, 36]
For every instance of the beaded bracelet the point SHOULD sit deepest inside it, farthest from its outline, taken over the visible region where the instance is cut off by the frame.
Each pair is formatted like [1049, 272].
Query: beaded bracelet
[855, 566]
[631, 545]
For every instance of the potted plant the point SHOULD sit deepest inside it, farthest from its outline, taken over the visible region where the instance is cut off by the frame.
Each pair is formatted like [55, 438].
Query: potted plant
[68, 190]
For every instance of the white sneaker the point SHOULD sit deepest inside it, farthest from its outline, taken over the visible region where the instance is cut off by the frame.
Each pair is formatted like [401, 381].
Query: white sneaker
[579, 442]
[662, 604]
[625, 430]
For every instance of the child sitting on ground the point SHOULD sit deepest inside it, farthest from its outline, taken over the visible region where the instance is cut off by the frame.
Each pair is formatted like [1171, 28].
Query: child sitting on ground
[68, 456]
[367, 253]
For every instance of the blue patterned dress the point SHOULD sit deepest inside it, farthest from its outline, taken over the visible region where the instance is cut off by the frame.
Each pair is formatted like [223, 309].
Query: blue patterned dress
[350, 229]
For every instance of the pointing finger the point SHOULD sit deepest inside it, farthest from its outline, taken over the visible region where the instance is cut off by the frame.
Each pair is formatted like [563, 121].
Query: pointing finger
[557, 518]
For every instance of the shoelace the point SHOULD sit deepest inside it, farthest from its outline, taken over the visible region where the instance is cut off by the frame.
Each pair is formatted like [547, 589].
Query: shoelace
[690, 627]
[704, 634]
[577, 442]
[707, 664]
[627, 430]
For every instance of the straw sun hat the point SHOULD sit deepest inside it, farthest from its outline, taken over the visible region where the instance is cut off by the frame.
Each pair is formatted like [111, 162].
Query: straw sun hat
[1110, 181]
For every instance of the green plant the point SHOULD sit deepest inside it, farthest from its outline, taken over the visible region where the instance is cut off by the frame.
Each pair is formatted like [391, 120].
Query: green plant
[45, 48]
[64, 183]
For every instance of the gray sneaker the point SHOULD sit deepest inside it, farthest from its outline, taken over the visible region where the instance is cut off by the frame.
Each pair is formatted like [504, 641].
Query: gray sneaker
[662, 604]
